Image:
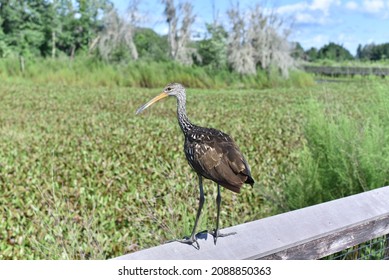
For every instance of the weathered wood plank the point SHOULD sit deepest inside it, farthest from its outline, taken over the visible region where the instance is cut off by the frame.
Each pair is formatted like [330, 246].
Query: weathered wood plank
[307, 233]
[334, 242]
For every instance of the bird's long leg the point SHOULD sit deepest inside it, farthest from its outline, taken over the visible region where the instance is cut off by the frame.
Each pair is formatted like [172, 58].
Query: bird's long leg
[216, 233]
[192, 238]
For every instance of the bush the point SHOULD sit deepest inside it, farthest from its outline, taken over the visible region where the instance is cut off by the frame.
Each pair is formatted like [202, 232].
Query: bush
[346, 152]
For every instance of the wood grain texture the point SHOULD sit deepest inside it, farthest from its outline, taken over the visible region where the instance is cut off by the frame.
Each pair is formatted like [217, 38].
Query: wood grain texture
[307, 233]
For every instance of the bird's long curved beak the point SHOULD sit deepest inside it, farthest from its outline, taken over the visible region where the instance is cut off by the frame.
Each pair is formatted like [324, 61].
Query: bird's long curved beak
[151, 102]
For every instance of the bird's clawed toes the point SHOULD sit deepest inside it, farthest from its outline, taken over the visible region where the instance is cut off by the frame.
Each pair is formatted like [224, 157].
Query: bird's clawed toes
[187, 240]
[190, 241]
[216, 233]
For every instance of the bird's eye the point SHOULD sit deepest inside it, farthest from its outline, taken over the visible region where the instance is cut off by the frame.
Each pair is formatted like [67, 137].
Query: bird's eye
[169, 89]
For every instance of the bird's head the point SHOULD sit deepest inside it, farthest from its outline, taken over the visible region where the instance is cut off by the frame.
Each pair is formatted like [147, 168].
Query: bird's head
[173, 89]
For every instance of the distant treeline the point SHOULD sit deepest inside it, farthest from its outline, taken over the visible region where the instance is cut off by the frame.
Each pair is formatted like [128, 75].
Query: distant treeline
[373, 52]
[69, 28]
[30, 30]
[336, 52]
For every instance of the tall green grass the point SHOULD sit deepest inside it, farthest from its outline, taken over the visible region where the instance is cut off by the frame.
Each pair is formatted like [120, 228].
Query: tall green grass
[346, 151]
[89, 71]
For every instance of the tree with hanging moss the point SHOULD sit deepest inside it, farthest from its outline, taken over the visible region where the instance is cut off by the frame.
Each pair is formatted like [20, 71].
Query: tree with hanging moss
[180, 20]
[258, 38]
[115, 41]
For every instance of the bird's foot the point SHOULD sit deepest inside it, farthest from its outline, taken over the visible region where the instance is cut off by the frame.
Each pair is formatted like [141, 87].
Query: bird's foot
[216, 233]
[188, 240]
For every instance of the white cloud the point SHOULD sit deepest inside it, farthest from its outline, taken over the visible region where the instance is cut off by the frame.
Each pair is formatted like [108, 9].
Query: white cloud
[305, 17]
[320, 40]
[351, 5]
[346, 39]
[349, 22]
[374, 6]
[292, 8]
[321, 12]
[315, 11]
[324, 5]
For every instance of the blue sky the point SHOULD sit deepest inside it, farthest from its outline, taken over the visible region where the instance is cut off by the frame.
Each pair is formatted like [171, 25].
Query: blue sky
[316, 22]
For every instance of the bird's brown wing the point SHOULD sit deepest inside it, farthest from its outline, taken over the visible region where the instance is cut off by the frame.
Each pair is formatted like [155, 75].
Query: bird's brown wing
[219, 159]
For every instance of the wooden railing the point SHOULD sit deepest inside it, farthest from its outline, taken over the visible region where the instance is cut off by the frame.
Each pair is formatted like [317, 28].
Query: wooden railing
[307, 233]
[346, 71]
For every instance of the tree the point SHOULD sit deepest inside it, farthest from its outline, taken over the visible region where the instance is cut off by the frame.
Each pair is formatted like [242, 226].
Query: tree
[240, 47]
[258, 38]
[87, 23]
[373, 51]
[64, 26]
[43, 27]
[4, 50]
[115, 41]
[151, 45]
[379, 52]
[75, 24]
[334, 52]
[179, 37]
[312, 54]
[298, 51]
[213, 51]
[359, 52]
[23, 25]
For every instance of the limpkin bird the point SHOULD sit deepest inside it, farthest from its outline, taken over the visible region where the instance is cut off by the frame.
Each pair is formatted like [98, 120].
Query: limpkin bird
[211, 153]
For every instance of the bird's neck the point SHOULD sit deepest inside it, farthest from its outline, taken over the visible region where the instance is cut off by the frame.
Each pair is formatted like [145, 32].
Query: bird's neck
[183, 120]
